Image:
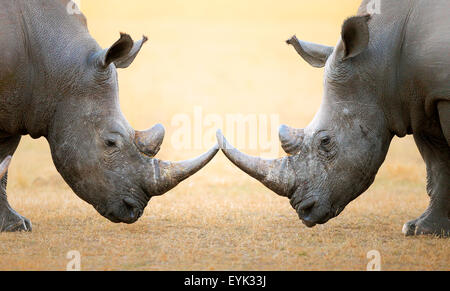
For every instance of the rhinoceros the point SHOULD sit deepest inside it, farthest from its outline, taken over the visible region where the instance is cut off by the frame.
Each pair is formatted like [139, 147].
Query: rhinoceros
[388, 75]
[56, 82]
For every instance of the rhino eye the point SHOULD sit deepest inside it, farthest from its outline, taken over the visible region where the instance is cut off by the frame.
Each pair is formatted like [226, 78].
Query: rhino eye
[110, 143]
[325, 141]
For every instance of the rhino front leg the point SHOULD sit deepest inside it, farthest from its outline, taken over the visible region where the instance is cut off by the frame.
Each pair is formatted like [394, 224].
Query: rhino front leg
[10, 220]
[436, 219]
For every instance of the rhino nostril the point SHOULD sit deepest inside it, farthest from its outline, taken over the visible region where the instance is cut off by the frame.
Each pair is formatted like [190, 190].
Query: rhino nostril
[133, 206]
[307, 205]
[130, 202]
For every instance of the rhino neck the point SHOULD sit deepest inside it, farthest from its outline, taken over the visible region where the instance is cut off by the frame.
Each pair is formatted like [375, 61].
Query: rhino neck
[391, 67]
[57, 46]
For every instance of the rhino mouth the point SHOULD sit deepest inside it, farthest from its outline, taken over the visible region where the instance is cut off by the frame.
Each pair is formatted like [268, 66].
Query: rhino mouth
[311, 211]
[312, 218]
[316, 214]
[128, 210]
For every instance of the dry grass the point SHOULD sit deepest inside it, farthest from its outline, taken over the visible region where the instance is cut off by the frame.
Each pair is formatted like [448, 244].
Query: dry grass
[227, 57]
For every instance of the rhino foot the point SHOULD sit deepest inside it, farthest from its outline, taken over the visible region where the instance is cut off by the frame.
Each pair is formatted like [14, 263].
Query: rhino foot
[11, 221]
[409, 228]
[428, 226]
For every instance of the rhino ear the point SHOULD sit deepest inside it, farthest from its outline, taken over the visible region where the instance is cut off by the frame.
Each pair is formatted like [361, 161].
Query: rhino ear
[315, 54]
[126, 61]
[355, 36]
[122, 53]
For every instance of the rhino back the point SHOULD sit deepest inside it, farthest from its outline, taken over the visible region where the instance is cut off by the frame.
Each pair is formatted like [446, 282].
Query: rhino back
[409, 43]
[427, 47]
[417, 33]
[43, 50]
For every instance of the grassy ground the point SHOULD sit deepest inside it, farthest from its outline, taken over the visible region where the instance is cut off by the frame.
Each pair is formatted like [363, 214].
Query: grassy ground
[227, 57]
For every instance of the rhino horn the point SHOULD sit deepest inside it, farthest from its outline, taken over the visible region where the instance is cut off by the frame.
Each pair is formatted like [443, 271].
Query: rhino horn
[167, 175]
[276, 174]
[149, 141]
[291, 139]
[4, 166]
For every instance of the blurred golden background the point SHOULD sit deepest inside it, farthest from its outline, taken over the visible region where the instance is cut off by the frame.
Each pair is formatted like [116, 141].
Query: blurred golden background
[227, 57]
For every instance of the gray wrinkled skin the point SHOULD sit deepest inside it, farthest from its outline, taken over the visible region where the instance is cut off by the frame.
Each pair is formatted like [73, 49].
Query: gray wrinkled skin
[56, 82]
[389, 75]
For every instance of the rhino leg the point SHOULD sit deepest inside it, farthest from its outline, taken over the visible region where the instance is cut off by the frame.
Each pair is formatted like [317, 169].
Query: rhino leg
[444, 117]
[436, 219]
[10, 220]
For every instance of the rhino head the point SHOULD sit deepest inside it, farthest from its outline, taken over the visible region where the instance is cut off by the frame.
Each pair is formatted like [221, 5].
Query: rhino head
[103, 159]
[336, 157]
